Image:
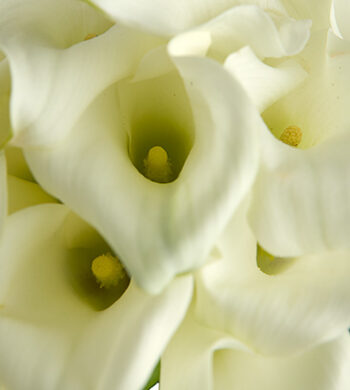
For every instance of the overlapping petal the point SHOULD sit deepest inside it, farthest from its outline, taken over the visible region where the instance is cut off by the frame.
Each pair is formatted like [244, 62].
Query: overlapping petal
[264, 84]
[306, 300]
[267, 34]
[173, 17]
[54, 74]
[317, 11]
[301, 203]
[340, 18]
[202, 358]
[52, 337]
[159, 230]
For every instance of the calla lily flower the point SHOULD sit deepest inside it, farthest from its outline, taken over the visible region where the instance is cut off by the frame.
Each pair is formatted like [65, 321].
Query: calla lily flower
[300, 198]
[263, 321]
[190, 107]
[50, 61]
[60, 325]
[215, 360]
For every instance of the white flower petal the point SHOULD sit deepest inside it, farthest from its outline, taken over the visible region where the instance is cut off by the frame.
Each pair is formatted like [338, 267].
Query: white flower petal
[42, 40]
[340, 14]
[317, 11]
[266, 34]
[174, 224]
[171, 17]
[325, 367]
[337, 46]
[319, 105]
[201, 358]
[301, 202]
[52, 338]
[298, 306]
[155, 63]
[264, 84]
[187, 362]
[194, 42]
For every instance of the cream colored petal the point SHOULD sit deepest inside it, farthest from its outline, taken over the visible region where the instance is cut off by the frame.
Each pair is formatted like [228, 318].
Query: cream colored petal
[318, 106]
[264, 84]
[300, 203]
[298, 303]
[188, 359]
[175, 225]
[172, 17]
[56, 74]
[50, 337]
[201, 358]
[316, 10]
[340, 14]
[265, 33]
[325, 367]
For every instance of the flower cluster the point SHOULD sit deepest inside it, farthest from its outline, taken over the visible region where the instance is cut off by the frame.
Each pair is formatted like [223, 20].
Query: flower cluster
[174, 194]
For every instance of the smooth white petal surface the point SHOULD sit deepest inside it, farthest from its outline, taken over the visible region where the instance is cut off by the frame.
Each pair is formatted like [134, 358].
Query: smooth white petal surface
[316, 10]
[264, 84]
[325, 367]
[174, 224]
[301, 302]
[265, 33]
[56, 75]
[340, 15]
[201, 358]
[188, 360]
[50, 337]
[171, 17]
[301, 203]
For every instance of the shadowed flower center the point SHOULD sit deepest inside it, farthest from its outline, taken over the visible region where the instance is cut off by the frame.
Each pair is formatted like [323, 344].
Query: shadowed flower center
[90, 36]
[270, 264]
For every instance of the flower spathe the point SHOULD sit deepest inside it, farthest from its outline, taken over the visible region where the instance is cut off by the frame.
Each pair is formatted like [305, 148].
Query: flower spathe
[49, 328]
[173, 224]
[150, 130]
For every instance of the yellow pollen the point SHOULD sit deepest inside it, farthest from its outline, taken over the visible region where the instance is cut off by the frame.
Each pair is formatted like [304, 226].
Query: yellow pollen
[291, 136]
[107, 270]
[90, 36]
[157, 165]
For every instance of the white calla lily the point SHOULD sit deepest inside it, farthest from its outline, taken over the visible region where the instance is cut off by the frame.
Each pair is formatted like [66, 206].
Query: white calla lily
[215, 361]
[300, 203]
[51, 321]
[56, 74]
[159, 229]
[274, 305]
